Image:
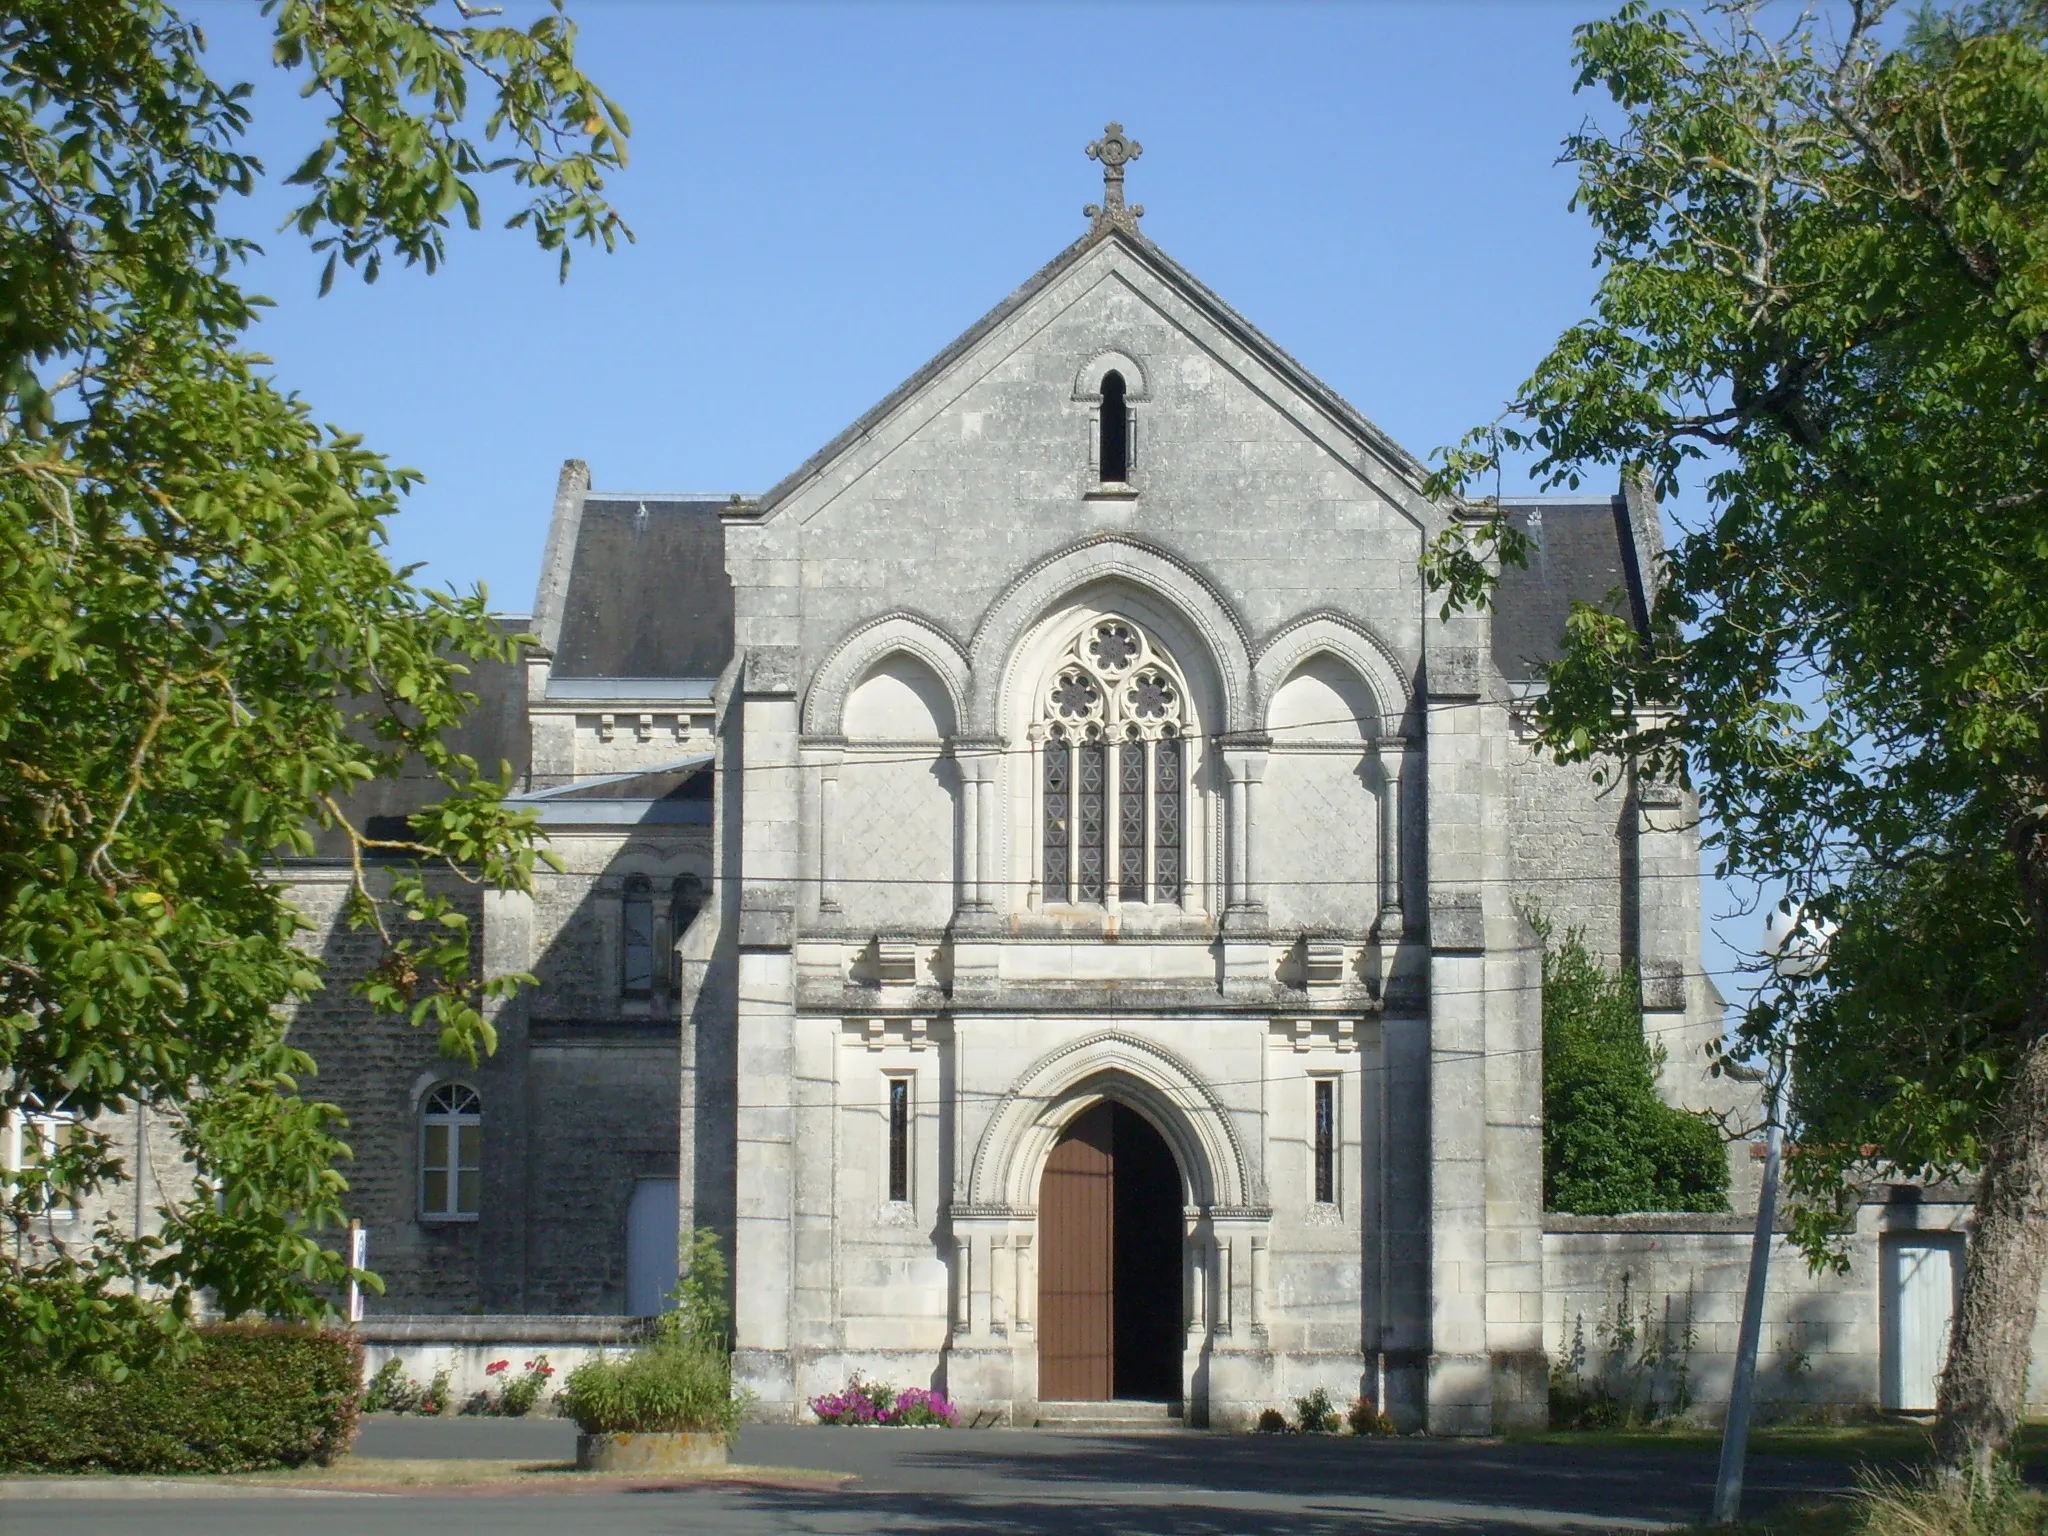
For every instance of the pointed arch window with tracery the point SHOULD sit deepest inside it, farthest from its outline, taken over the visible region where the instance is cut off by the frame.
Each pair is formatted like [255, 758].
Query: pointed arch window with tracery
[1113, 780]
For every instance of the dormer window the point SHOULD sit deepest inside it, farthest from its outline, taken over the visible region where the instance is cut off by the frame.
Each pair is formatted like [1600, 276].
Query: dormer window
[1114, 457]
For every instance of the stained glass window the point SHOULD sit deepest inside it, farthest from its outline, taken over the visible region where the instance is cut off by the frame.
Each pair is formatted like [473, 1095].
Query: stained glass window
[1088, 809]
[1058, 787]
[1130, 800]
[1114, 808]
[1166, 820]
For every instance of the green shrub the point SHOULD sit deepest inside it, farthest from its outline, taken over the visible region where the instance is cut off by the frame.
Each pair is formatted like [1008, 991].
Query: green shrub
[1611, 1145]
[247, 1397]
[666, 1387]
[1365, 1418]
[702, 1316]
[1316, 1414]
[1272, 1422]
[391, 1390]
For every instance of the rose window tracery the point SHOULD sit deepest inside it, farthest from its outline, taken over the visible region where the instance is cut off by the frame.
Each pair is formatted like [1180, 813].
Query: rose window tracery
[1113, 778]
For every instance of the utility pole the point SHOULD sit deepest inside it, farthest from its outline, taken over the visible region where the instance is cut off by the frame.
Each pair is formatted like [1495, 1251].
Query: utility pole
[1798, 947]
[1735, 1433]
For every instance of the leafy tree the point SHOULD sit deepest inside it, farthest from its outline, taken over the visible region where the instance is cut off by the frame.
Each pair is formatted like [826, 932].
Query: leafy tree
[1824, 282]
[1611, 1145]
[205, 645]
[702, 1315]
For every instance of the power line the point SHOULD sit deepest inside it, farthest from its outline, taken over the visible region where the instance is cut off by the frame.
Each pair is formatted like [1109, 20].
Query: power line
[945, 748]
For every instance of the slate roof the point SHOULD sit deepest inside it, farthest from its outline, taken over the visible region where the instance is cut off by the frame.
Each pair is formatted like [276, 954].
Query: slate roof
[1580, 551]
[648, 595]
[494, 732]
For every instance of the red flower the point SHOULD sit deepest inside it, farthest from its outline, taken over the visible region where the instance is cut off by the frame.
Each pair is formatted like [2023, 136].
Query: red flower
[496, 1366]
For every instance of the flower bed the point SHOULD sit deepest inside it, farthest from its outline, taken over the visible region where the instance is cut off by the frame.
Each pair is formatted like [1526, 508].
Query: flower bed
[879, 1404]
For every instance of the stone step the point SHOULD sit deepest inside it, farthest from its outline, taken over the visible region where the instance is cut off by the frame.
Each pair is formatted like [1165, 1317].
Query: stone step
[1120, 1415]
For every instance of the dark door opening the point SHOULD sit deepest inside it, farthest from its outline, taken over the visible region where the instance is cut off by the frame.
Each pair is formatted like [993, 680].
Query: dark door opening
[1109, 1285]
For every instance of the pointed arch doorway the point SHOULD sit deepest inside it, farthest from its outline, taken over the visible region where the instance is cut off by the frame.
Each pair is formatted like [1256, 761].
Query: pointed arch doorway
[1109, 1278]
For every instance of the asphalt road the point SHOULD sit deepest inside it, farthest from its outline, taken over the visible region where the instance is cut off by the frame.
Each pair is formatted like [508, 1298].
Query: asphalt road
[990, 1483]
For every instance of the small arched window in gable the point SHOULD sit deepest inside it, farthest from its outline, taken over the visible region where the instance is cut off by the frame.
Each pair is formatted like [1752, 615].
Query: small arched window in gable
[636, 935]
[451, 1153]
[1114, 457]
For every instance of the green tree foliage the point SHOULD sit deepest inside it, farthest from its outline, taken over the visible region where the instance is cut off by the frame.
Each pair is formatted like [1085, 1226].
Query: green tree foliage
[702, 1315]
[1824, 281]
[1611, 1145]
[205, 645]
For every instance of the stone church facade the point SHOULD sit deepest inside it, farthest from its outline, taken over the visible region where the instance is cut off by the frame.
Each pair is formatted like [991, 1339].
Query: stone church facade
[1046, 885]
[1092, 784]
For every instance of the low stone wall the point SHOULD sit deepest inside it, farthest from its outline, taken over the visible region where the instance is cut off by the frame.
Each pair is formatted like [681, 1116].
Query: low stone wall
[1652, 1305]
[465, 1346]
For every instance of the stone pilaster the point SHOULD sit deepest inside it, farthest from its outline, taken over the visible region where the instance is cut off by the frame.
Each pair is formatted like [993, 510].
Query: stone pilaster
[766, 1250]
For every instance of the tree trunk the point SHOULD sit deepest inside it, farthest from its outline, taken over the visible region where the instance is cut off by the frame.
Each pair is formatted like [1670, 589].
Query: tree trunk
[1984, 1385]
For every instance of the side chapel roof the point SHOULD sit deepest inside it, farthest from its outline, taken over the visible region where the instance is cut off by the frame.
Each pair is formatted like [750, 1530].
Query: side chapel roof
[1597, 550]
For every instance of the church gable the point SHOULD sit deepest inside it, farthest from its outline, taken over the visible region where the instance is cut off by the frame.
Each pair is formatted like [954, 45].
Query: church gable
[1113, 395]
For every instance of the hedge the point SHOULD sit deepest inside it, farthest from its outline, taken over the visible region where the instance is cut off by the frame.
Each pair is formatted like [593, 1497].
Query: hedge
[248, 1397]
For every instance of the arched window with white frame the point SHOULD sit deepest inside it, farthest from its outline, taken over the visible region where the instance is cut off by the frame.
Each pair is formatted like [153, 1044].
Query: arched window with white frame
[1113, 775]
[451, 1153]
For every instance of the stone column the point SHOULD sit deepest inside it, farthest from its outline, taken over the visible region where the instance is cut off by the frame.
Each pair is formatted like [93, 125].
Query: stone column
[975, 822]
[1246, 948]
[1392, 757]
[985, 841]
[825, 826]
[1244, 764]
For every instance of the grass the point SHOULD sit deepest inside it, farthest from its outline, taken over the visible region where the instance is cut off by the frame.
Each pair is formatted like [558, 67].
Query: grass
[1893, 1508]
[1883, 1441]
[366, 1474]
[387, 1472]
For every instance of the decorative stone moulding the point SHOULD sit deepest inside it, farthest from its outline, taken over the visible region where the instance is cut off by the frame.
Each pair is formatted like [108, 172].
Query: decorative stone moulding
[1322, 964]
[1320, 1032]
[650, 1451]
[882, 1032]
[895, 963]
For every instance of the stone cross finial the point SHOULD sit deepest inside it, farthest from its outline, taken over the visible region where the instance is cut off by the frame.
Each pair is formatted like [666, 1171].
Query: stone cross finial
[1113, 150]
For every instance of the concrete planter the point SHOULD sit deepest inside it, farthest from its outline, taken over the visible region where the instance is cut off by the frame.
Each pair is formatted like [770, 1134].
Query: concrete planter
[651, 1451]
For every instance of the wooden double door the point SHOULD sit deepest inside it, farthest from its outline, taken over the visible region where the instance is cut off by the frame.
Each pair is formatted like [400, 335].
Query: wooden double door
[1110, 1318]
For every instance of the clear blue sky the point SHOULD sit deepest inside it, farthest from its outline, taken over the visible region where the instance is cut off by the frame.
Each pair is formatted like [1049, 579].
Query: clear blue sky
[826, 194]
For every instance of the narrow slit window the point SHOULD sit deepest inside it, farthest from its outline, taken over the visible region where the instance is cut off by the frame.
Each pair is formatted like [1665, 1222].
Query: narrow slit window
[637, 938]
[1116, 430]
[1326, 1141]
[899, 1138]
